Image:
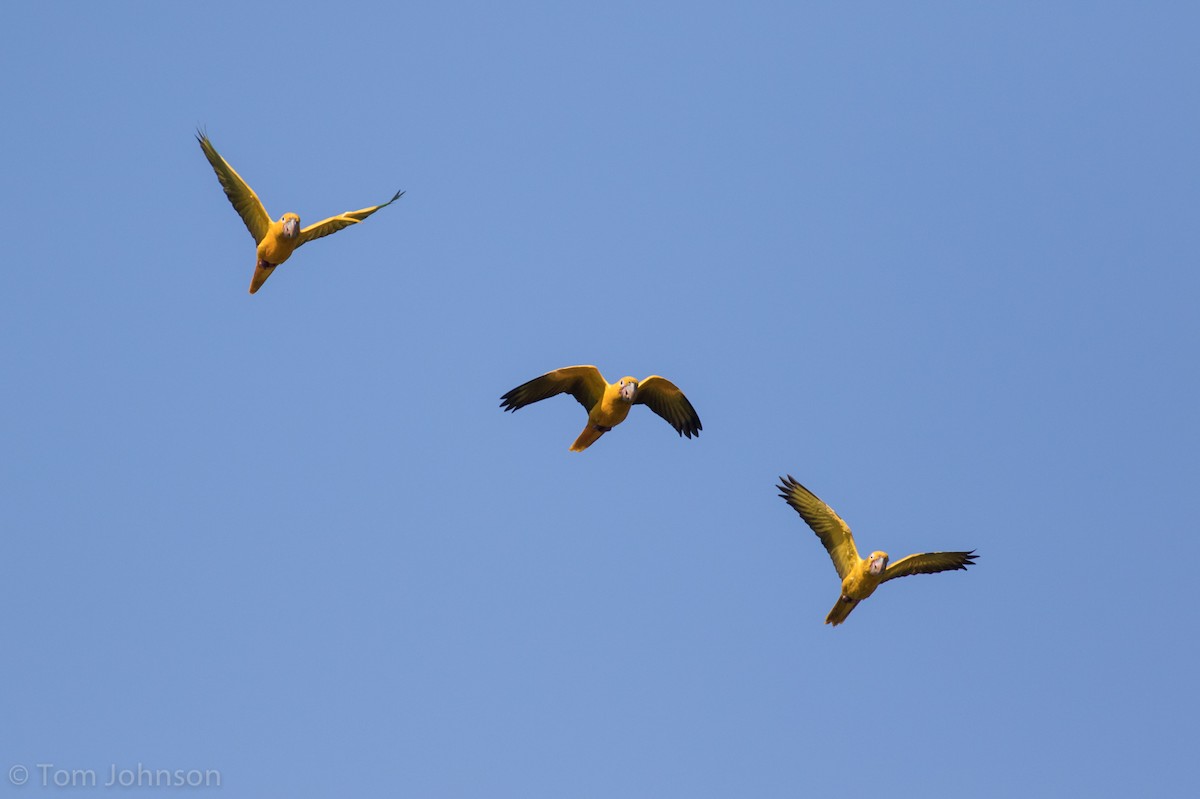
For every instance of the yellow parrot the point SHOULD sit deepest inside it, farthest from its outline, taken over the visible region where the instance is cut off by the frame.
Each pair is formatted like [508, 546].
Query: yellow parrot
[860, 577]
[276, 240]
[607, 403]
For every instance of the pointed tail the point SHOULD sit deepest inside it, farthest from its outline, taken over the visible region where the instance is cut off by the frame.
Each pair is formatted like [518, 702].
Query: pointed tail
[841, 610]
[262, 271]
[588, 437]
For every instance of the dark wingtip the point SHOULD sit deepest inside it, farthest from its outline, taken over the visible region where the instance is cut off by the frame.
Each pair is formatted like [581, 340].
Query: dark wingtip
[782, 485]
[690, 427]
[786, 486]
[507, 401]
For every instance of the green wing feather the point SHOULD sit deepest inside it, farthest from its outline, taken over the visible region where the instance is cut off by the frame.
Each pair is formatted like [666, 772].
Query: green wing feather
[664, 398]
[929, 563]
[834, 533]
[243, 198]
[584, 383]
[335, 223]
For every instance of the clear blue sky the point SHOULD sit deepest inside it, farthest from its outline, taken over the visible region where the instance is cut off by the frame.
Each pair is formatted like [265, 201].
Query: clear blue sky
[938, 264]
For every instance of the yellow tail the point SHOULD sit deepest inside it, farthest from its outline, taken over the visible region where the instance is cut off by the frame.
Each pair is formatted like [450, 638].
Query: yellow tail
[262, 271]
[841, 610]
[588, 437]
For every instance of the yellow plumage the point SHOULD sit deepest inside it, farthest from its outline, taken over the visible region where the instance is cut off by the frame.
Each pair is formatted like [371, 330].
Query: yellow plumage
[279, 239]
[589, 436]
[607, 403]
[860, 576]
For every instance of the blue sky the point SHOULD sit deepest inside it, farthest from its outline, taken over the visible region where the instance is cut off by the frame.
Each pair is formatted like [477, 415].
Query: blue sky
[937, 263]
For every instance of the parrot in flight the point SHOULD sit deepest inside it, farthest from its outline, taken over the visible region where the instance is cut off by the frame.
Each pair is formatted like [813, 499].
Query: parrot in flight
[607, 403]
[860, 576]
[279, 239]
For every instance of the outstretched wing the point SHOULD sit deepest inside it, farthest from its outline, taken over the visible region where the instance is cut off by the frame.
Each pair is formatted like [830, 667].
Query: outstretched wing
[244, 200]
[929, 563]
[335, 223]
[834, 533]
[664, 398]
[584, 383]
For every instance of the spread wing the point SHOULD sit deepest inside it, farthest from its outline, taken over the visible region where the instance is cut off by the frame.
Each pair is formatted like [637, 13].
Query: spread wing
[664, 398]
[929, 563]
[335, 223]
[584, 383]
[244, 200]
[829, 527]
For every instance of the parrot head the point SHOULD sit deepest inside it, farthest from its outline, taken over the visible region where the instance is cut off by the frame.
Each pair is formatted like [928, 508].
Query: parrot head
[291, 225]
[877, 563]
[627, 389]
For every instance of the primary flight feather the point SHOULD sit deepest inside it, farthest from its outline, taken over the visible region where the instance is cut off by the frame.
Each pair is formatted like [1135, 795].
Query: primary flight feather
[276, 240]
[607, 403]
[860, 576]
